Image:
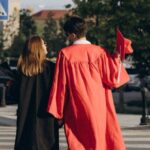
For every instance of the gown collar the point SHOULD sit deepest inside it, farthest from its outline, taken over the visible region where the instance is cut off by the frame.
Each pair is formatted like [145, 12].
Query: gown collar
[82, 41]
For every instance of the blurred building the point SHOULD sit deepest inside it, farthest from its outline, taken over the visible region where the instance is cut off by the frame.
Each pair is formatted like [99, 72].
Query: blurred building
[41, 17]
[10, 27]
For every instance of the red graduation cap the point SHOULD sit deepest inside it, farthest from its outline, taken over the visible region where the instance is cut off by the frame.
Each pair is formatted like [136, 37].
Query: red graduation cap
[123, 45]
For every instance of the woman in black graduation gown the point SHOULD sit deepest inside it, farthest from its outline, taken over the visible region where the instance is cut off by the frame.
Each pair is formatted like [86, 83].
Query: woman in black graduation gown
[36, 129]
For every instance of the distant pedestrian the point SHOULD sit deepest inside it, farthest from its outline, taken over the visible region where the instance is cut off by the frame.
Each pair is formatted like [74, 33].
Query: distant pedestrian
[36, 129]
[81, 92]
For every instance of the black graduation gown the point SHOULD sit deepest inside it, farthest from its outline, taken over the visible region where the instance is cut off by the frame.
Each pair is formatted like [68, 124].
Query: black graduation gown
[36, 129]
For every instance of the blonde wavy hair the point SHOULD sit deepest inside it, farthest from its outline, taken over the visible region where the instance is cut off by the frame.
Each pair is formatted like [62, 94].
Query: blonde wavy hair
[31, 61]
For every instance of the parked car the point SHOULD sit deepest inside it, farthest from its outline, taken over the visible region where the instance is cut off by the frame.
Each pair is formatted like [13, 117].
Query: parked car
[12, 62]
[135, 82]
[6, 81]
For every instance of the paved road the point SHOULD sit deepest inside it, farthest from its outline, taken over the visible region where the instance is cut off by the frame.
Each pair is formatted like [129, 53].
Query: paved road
[135, 139]
[131, 96]
[7, 138]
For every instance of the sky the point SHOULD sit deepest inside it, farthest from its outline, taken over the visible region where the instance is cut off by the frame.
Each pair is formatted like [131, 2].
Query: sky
[37, 5]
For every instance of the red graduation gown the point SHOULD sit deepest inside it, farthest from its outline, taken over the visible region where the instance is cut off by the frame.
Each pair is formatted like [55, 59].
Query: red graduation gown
[81, 95]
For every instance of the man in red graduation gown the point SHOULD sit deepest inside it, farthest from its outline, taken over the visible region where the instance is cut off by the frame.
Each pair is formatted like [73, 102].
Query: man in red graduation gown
[81, 92]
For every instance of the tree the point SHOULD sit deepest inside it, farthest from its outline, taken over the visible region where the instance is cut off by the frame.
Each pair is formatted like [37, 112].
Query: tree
[18, 36]
[133, 18]
[26, 29]
[27, 25]
[53, 35]
[17, 45]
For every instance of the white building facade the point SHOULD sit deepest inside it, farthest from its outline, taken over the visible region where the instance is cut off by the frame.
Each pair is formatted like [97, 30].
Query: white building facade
[10, 27]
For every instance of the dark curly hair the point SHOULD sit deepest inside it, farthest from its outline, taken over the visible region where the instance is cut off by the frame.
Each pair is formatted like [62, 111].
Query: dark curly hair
[75, 25]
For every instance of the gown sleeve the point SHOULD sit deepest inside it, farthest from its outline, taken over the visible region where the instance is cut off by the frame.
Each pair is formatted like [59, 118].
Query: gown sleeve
[112, 70]
[57, 95]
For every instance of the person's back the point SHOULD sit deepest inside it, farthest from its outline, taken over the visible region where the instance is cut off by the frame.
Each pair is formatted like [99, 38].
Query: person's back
[81, 93]
[83, 72]
[36, 129]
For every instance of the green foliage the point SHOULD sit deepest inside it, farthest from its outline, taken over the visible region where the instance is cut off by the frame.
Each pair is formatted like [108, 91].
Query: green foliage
[53, 35]
[134, 21]
[27, 28]
[27, 25]
[17, 45]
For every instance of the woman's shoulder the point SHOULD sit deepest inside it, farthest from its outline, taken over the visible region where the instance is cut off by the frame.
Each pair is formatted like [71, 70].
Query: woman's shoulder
[49, 63]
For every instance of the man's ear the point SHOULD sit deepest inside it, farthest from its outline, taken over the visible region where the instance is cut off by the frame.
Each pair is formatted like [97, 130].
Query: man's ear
[72, 36]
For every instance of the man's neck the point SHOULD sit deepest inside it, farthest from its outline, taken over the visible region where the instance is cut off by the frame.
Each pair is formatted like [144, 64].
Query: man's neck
[82, 38]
